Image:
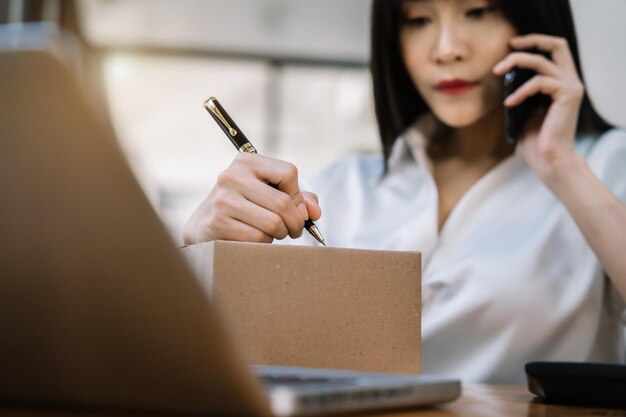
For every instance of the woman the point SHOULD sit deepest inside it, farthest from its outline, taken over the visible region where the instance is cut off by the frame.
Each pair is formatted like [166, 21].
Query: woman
[516, 239]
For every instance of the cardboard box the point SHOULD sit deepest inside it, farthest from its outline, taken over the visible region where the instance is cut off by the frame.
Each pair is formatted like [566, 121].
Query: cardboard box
[315, 306]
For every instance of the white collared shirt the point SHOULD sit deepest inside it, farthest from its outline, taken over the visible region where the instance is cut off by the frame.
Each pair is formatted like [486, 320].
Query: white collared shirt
[509, 278]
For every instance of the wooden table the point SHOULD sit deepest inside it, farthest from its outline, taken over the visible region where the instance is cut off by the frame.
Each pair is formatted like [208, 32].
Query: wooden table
[504, 401]
[476, 401]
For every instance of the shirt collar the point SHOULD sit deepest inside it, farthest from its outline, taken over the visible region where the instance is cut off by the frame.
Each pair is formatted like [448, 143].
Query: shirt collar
[411, 144]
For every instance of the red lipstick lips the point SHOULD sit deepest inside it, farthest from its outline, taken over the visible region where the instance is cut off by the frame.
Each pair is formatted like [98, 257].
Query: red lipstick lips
[456, 86]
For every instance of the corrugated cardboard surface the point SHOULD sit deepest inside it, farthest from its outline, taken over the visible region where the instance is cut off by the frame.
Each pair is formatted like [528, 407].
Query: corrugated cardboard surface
[315, 306]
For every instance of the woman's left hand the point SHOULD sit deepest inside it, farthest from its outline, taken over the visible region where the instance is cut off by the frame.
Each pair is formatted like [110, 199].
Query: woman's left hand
[547, 146]
[547, 142]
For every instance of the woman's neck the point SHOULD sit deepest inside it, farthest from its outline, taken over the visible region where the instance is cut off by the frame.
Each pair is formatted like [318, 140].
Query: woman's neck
[483, 141]
[461, 158]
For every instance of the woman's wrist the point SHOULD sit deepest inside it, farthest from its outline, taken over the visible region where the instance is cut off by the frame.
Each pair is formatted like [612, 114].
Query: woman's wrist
[565, 174]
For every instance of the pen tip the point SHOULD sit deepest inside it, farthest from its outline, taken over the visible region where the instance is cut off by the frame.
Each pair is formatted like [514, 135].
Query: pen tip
[313, 230]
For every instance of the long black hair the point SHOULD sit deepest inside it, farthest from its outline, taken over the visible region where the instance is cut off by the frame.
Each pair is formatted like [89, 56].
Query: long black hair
[397, 102]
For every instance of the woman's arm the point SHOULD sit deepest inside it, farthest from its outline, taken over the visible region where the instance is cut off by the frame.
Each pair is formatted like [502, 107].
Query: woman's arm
[548, 147]
[600, 216]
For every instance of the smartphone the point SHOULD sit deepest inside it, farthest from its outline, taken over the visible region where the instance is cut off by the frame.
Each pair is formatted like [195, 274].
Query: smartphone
[515, 118]
[578, 383]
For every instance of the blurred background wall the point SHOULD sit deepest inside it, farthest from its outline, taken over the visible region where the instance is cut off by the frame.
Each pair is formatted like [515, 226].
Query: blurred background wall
[292, 73]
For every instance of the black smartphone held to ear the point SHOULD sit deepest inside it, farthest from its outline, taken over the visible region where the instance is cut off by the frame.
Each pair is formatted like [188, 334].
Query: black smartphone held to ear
[515, 118]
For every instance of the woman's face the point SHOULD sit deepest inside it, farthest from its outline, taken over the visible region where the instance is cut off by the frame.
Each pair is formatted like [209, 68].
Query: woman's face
[449, 48]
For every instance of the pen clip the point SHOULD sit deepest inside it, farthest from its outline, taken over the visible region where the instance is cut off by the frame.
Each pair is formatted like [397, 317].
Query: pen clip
[212, 107]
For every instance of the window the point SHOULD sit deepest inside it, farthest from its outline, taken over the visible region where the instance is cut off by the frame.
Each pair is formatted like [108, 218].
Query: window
[292, 74]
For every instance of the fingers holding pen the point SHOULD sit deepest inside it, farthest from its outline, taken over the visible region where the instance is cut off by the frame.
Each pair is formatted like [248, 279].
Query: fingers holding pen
[252, 174]
[257, 191]
[284, 176]
[227, 215]
[312, 205]
[243, 206]
[265, 225]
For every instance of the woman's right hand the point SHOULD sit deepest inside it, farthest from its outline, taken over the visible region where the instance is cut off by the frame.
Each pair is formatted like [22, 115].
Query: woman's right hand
[243, 206]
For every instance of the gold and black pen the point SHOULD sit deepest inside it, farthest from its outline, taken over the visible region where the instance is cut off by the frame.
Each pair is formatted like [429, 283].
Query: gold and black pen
[242, 144]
